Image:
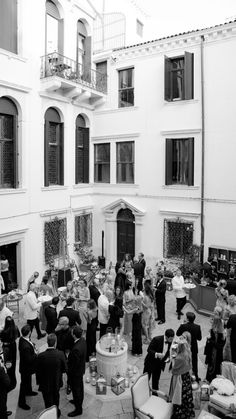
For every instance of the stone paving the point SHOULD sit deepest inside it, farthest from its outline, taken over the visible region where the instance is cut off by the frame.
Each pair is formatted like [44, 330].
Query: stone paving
[119, 408]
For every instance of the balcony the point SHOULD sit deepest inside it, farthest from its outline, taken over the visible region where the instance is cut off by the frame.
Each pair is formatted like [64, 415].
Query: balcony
[72, 79]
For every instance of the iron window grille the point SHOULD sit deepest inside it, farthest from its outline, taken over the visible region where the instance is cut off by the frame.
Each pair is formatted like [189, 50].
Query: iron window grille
[178, 238]
[55, 239]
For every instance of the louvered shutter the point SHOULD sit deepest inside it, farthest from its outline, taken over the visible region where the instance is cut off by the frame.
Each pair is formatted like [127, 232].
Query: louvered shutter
[191, 161]
[86, 154]
[167, 75]
[61, 36]
[61, 153]
[87, 59]
[169, 158]
[7, 151]
[82, 155]
[188, 75]
[46, 137]
[53, 163]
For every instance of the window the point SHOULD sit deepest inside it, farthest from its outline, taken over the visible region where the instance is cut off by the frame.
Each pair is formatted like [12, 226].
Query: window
[178, 237]
[53, 151]
[81, 151]
[8, 25]
[179, 77]
[8, 144]
[83, 53]
[101, 76]
[126, 88]
[139, 28]
[83, 229]
[180, 161]
[125, 162]
[102, 163]
[54, 29]
[55, 238]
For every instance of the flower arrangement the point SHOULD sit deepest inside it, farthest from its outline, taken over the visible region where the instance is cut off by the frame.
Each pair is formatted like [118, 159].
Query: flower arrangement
[85, 253]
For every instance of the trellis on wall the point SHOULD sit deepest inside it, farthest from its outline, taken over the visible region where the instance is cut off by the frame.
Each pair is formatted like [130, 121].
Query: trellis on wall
[178, 237]
[55, 239]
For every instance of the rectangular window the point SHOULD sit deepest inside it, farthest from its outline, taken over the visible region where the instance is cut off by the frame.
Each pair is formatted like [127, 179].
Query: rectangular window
[102, 163]
[139, 28]
[125, 162]
[180, 161]
[54, 163]
[55, 239]
[7, 151]
[178, 237]
[126, 87]
[101, 76]
[83, 229]
[179, 77]
[8, 25]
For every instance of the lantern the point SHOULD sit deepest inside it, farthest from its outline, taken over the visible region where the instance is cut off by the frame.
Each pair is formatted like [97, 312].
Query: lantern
[101, 385]
[205, 392]
[92, 363]
[118, 384]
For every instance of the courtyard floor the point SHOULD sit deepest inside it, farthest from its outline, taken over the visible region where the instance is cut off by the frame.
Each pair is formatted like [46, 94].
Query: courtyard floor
[118, 408]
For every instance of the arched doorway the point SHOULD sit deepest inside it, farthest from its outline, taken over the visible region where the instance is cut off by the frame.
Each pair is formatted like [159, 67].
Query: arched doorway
[125, 233]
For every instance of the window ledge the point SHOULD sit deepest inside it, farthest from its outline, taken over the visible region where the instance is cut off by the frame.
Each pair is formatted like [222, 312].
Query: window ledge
[125, 108]
[82, 185]
[116, 185]
[12, 191]
[180, 187]
[181, 101]
[54, 188]
[12, 55]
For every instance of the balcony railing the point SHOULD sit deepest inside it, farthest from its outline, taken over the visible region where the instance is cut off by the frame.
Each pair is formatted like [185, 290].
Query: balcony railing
[56, 64]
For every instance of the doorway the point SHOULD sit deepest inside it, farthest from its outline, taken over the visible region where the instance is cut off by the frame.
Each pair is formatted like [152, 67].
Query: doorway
[125, 234]
[9, 250]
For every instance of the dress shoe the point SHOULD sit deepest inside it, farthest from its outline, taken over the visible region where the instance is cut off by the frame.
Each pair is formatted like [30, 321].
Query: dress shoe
[156, 319]
[41, 336]
[161, 322]
[24, 406]
[9, 413]
[75, 413]
[179, 316]
[58, 413]
[72, 401]
[181, 313]
[32, 393]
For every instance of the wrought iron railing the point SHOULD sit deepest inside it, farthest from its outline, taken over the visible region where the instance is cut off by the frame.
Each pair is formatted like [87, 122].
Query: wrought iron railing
[56, 64]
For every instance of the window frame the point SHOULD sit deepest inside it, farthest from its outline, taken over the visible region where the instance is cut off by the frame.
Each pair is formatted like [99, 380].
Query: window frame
[60, 148]
[126, 163]
[101, 163]
[169, 162]
[188, 77]
[78, 222]
[125, 89]
[9, 25]
[82, 152]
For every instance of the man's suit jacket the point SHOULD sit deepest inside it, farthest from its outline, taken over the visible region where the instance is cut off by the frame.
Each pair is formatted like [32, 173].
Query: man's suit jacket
[156, 345]
[208, 271]
[77, 360]
[73, 316]
[195, 332]
[138, 270]
[51, 364]
[161, 290]
[94, 293]
[51, 317]
[28, 357]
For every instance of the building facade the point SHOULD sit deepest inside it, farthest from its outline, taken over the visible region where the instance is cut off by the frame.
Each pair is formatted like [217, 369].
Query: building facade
[144, 155]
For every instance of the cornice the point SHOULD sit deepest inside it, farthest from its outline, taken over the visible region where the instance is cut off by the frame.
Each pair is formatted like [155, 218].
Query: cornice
[14, 86]
[115, 137]
[182, 131]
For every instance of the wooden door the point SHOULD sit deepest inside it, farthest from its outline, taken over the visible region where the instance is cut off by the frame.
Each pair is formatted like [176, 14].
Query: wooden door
[125, 234]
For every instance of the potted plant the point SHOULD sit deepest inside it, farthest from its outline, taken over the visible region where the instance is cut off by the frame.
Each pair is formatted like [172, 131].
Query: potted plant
[85, 254]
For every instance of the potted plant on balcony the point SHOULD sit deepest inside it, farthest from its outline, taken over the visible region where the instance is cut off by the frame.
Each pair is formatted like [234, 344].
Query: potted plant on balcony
[85, 254]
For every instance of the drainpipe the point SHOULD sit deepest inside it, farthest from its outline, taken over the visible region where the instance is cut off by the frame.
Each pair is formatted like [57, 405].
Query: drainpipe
[203, 152]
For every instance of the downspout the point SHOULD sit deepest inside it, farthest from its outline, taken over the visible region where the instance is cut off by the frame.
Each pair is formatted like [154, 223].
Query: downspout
[203, 153]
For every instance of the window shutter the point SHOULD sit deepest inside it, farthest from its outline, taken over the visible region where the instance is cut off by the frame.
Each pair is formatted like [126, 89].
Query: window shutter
[61, 153]
[79, 152]
[169, 161]
[87, 59]
[188, 75]
[46, 145]
[167, 93]
[8, 25]
[15, 151]
[86, 154]
[61, 36]
[191, 161]
[6, 151]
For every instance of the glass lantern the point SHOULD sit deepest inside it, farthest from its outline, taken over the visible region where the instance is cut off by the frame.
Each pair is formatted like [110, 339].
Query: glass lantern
[101, 385]
[92, 363]
[118, 384]
[205, 392]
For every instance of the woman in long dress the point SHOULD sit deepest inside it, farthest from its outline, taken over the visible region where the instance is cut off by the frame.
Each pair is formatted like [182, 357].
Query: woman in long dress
[8, 337]
[82, 301]
[215, 344]
[181, 394]
[129, 307]
[148, 313]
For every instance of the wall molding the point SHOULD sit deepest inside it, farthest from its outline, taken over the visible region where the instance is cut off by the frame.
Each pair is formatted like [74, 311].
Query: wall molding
[182, 131]
[14, 86]
[116, 137]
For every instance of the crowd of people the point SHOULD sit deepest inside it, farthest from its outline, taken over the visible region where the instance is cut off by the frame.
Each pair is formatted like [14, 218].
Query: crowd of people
[92, 303]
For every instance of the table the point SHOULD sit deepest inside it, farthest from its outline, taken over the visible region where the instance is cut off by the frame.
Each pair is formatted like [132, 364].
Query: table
[206, 415]
[13, 303]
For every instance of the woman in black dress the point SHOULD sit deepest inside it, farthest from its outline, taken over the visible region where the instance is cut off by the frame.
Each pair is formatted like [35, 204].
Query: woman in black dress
[215, 344]
[8, 337]
[137, 349]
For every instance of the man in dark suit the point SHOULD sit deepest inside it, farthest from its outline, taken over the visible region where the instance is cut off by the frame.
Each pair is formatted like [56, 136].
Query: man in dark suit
[51, 364]
[71, 313]
[208, 272]
[160, 295]
[94, 291]
[51, 316]
[76, 370]
[158, 354]
[138, 273]
[28, 357]
[196, 334]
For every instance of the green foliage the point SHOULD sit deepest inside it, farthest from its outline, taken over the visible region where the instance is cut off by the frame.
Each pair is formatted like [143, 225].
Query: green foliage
[85, 253]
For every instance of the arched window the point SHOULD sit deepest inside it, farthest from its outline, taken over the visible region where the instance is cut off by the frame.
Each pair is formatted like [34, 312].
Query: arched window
[54, 29]
[81, 151]
[53, 151]
[83, 54]
[8, 144]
